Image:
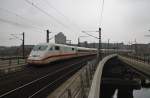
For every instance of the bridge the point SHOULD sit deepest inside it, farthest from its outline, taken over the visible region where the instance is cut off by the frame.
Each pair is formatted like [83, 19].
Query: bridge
[119, 73]
[115, 75]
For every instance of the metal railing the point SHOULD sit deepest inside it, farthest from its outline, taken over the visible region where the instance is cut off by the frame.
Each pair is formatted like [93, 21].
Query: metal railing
[9, 64]
[140, 58]
[9, 61]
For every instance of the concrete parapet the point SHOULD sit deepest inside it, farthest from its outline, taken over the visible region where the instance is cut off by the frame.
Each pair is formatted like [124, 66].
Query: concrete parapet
[95, 87]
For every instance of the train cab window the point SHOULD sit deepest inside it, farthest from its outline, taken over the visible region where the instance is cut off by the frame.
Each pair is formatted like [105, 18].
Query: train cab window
[57, 48]
[40, 47]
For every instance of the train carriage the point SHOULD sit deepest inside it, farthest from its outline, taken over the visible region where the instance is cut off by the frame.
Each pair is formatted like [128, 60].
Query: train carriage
[45, 53]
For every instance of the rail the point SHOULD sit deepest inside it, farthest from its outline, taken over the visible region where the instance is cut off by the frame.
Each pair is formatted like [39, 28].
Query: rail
[81, 84]
[45, 83]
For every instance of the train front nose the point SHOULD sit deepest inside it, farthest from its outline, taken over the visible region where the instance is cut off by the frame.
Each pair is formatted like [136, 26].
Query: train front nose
[36, 55]
[35, 58]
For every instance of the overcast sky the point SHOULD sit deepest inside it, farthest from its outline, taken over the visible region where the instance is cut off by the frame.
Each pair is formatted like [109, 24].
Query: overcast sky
[123, 20]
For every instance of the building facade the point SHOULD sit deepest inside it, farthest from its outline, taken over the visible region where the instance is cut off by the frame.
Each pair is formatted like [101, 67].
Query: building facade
[60, 38]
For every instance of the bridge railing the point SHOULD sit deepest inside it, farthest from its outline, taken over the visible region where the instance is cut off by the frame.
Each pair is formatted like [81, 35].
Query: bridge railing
[9, 61]
[9, 64]
[140, 58]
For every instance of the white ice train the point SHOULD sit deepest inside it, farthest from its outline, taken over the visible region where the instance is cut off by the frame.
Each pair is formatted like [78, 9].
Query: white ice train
[45, 53]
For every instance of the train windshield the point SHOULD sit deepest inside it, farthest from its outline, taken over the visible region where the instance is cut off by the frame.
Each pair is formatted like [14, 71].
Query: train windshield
[40, 47]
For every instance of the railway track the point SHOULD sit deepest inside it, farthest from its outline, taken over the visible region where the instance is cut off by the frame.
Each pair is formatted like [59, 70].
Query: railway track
[45, 80]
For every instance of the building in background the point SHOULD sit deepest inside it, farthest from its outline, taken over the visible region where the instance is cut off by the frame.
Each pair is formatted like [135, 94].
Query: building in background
[103, 45]
[60, 38]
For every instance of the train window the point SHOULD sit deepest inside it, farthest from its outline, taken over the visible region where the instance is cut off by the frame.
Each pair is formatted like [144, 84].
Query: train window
[40, 47]
[57, 48]
[73, 49]
[51, 48]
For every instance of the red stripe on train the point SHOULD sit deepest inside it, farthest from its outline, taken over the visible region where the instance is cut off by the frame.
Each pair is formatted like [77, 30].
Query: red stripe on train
[59, 55]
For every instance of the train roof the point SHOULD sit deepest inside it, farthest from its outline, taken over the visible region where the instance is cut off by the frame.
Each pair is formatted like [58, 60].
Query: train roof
[54, 44]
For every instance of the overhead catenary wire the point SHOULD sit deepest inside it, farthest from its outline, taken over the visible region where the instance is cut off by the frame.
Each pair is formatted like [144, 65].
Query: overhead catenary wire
[17, 24]
[43, 11]
[100, 21]
[13, 23]
[90, 35]
[48, 14]
[68, 19]
[64, 16]
[21, 17]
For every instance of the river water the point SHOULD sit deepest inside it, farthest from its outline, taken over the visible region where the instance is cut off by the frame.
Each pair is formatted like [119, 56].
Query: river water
[143, 93]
